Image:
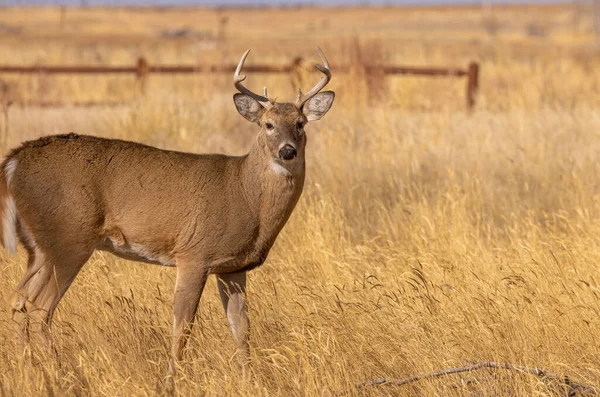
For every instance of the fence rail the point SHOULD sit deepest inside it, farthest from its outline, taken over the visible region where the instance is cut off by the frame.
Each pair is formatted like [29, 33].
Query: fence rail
[142, 69]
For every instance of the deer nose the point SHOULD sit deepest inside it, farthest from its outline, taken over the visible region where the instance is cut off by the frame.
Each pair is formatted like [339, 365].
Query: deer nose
[288, 152]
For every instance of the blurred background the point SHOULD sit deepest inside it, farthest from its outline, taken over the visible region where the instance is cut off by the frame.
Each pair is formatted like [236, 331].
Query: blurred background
[520, 35]
[451, 210]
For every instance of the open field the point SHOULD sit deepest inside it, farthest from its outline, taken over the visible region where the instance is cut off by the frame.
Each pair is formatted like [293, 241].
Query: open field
[427, 237]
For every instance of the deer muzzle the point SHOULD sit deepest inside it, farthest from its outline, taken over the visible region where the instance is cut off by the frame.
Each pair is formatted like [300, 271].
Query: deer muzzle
[287, 152]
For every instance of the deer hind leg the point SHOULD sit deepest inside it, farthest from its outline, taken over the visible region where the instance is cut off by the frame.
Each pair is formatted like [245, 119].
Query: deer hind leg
[40, 290]
[232, 289]
[189, 285]
[19, 299]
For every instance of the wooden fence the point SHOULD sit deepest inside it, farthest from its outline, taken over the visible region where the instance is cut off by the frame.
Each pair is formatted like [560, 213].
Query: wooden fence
[143, 69]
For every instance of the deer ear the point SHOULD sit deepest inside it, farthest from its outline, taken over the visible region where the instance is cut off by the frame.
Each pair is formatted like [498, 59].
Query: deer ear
[248, 107]
[317, 106]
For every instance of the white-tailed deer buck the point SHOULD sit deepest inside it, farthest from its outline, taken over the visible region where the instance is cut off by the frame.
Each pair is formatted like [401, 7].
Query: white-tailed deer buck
[65, 196]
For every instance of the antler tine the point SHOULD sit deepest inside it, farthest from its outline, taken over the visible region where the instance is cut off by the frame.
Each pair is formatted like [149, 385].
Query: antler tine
[320, 85]
[237, 82]
[271, 100]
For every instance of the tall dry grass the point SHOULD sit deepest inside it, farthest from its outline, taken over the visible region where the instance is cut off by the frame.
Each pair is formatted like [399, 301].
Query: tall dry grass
[427, 236]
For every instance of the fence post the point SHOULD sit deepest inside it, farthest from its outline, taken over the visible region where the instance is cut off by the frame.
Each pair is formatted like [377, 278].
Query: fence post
[472, 84]
[141, 70]
[297, 76]
[5, 107]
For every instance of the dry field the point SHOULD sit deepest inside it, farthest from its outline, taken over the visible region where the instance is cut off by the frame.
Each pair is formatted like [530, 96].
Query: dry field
[427, 237]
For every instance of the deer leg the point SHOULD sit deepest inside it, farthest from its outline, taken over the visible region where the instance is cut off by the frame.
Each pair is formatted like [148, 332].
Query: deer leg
[39, 292]
[232, 289]
[188, 289]
[19, 300]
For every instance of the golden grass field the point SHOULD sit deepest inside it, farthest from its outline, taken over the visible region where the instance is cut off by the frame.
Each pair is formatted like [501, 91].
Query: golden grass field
[427, 236]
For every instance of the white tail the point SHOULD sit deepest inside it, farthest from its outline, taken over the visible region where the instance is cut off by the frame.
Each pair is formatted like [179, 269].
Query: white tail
[9, 210]
[65, 196]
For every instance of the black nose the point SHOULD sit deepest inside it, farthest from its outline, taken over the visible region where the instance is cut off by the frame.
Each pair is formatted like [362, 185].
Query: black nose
[287, 152]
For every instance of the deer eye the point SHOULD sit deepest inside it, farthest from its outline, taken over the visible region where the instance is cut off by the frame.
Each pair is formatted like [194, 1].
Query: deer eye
[299, 125]
[269, 126]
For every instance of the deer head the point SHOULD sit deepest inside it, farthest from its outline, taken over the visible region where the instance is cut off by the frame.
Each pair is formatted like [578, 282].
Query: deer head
[282, 124]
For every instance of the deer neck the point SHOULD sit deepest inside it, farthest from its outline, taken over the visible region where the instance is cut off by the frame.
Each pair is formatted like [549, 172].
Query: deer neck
[268, 184]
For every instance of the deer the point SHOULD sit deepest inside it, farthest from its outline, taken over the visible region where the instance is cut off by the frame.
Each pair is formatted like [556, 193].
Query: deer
[65, 196]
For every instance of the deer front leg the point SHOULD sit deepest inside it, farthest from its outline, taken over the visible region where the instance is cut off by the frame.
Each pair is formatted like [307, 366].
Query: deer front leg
[232, 289]
[190, 282]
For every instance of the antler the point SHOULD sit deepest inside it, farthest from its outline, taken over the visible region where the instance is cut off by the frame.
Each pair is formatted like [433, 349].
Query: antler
[320, 85]
[237, 82]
